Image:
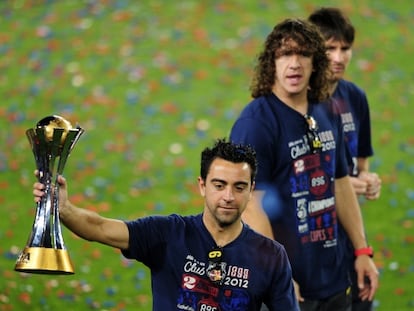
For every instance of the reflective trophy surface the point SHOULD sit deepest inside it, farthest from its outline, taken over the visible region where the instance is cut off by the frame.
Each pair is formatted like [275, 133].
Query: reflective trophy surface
[52, 140]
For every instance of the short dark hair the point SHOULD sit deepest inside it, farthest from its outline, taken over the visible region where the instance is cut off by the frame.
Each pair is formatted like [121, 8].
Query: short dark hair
[236, 153]
[333, 23]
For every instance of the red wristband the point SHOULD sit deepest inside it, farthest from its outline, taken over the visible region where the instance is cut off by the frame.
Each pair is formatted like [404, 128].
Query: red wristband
[364, 251]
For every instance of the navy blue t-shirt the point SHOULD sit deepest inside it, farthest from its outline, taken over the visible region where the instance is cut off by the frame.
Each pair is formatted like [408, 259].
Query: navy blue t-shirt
[175, 248]
[299, 187]
[352, 104]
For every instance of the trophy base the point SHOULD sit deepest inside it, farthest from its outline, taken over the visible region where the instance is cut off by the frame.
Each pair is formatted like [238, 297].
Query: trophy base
[43, 260]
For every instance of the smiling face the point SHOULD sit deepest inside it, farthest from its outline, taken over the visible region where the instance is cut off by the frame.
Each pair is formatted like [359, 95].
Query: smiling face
[293, 70]
[226, 190]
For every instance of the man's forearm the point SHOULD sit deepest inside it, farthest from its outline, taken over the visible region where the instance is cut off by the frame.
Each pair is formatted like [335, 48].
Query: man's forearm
[82, 222]
[255, 216]
[349, 212]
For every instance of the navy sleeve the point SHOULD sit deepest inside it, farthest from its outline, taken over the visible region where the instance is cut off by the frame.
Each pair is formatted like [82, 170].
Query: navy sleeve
[364, 136]
[342, 165]
[285, 298]
[148, 237]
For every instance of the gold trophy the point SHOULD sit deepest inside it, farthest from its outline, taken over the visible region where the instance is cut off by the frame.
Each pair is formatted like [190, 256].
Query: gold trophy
[45, 253]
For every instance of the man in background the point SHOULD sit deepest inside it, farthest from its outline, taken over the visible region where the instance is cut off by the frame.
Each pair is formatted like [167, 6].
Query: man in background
[352, 105]
[303, 189]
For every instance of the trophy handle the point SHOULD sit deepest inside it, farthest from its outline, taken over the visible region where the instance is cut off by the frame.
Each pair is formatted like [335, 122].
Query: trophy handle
[39, 235]
[71, 139]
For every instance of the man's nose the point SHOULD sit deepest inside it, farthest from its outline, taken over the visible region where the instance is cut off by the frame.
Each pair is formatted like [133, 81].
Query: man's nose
[337, 56]
[228, 194]
[295, 61]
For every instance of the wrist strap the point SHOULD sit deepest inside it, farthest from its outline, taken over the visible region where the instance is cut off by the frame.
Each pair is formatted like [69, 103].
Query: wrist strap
[364, 251]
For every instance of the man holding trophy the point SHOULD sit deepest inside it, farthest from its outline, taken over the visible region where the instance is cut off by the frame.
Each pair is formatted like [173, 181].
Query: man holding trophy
[209, 261]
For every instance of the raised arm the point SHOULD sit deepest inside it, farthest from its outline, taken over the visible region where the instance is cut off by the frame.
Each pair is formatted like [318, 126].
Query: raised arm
[84, 223]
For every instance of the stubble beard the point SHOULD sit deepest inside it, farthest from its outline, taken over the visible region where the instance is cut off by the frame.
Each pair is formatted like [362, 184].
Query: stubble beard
[225, 221]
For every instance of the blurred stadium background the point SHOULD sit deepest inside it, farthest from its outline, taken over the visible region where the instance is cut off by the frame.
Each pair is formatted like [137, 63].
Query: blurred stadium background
[153, 82]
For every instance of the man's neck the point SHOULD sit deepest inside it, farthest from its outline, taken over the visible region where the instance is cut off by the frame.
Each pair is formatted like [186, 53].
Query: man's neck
[298, 102]
[224, 235]
[332, 86]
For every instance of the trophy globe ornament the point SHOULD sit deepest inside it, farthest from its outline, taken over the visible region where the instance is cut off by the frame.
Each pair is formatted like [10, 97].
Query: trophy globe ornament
[52, 122]
[51, 141]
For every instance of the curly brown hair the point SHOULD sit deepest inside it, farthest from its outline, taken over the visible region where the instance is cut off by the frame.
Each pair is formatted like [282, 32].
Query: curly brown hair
[310, 42]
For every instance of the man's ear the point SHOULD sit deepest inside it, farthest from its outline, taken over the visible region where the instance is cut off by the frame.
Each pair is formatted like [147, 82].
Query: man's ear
[252, 190]
[201, 186]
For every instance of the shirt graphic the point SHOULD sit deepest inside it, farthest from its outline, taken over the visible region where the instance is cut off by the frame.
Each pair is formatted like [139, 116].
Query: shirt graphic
[312, 191]
[199, 292]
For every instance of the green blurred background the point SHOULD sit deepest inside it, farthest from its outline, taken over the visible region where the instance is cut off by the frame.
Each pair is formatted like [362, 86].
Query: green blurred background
[153, 83]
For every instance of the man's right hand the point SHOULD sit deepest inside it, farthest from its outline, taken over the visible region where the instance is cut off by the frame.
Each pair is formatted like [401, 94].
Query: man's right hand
[367, 184]
[297, 292]
[373, 181]
[39, 191]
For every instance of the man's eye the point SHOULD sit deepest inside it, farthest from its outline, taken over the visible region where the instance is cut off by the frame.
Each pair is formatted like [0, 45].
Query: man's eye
[218, 186]
[240, 188]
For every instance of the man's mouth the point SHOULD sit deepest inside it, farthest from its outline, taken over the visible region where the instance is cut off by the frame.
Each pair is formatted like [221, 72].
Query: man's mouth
[294, 78]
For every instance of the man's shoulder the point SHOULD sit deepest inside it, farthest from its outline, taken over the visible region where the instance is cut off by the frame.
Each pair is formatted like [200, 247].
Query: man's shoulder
[171, 219]
[350, 87]
[260, 105]
[261, 240]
